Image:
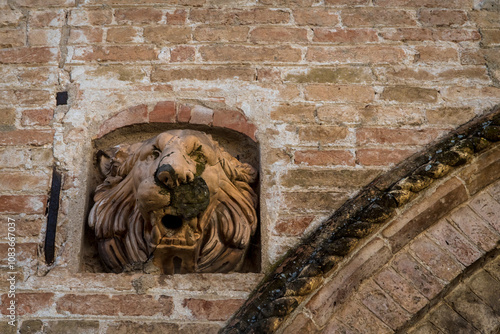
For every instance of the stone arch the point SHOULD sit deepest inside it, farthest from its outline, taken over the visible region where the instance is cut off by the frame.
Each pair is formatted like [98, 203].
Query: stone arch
[352, 275]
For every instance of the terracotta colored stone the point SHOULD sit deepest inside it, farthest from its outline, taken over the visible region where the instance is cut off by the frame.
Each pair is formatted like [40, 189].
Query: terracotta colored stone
[437, 259]
[182, 54]
[23, 204]
[132, 115]
[163, 112]
[315, 17]
[46, 18]
[30, 303]
[183, 113]
[219, 310]
[37, 117]
[351, 36]
[201, 115]
[26, 55]
[370, 17]
[121, 35]
[124, 53]
[235, 120]
[161, 74]
[90, 16]
[278, 34]
[294, 226]
[325, 158]
[442, 17]
[24, 181]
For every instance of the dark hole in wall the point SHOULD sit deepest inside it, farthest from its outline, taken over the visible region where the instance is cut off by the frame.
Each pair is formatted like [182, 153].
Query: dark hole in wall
[62, 98]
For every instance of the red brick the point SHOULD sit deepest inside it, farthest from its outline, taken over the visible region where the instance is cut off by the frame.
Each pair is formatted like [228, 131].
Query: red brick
[220, 34]
[24, 251]
[472, 57]
[424, 3]
[475, 228]
[487, 208]
[291, 113]
[122, 35]
[407, 34]
[214, 310]
[201, 115]
[310, 201]
[23, 181]
[416, 273]
[485, 19]
[381, 157]
[450, 239]
[346, 2]
[45, 3]
[163, 112]
[138, 15]
[345, 35]
[362, 320]
[409, 94]
[23, 204]
[371, 17]
[37, 117]
[11, 38]
[231, 53]
[482, 172]
[383, 306]
[44, 37]
[251, 16]
[234, 120]
[315, 17]
[432, 54]
[400, 290]
[442, 17]
[90, 16]
[132, 115]
[26, 226]
[115, 53]
[182, 54]
[293, 226]
[27, 55]
[356, 54]
[323, 134]
[26, 137]
[167, 34]
[46, 18]
[128, 305]
[167, 74]
[456, 35]
[339, 93]
[278, 34]
[178, 16]
[29, 303]
[325, 158]
[183, 113]
[440, 262]
[328, 178]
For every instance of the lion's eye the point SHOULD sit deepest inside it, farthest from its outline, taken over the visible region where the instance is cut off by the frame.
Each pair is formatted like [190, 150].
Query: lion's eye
[155, 153]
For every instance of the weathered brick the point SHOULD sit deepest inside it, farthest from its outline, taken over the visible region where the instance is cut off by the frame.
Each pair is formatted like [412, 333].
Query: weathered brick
[177, 17]
[485, 19]
[9, 17]
[166, 74]
[325, 157]
[23, 181]
[132, 115]
[431, 54]
[426, 213]
[123, 35]
[90, 16]
[47, 3]
[450, 239]
[425, 328]
[311, 201]
[338, 113]
[44, 37]
[446, 319]
[291, 113]
[424, 3]
[382, 305]
[356, 54]
[37, 117]
[407, 34]
[362, 320]
[416, 273]
[315, 17]
[201, 115]
[164, 112]
[340, 93]
[72, 326]
[302, 324]
[482, 173]
[436, 258]
[331, 75]
[115, 53]
[294, 226]
[400, 290]
[278, 34]
[346, 2]
[487, 208]
[470, 93]
[456, 35]
[232, 53]
[23, 204]
[183, 113]
[26, 137]
[30, 303]
[11, 38]
[490, 37]
[409, 94]
[328, 178]
[220, 34]
[8, 118]
[31, 326]
[323, 134]
[449, 115]
[340, 35]
[167, 34]
[381, 157]
[131, 305]
[442, 17]
[27, 55]
[473, 309]
[138, 15]
[475, 228]
[371, 17]
[182, 53]
[218, 310]
[482, 284]
[26, 226]
[46, 18]
[391, 136]
[250, 16]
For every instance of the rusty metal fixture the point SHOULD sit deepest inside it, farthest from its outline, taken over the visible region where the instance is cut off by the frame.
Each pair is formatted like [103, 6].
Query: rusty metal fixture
[178, 198]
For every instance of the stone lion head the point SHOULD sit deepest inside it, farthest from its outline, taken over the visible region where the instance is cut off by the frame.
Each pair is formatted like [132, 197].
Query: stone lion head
[178, 198]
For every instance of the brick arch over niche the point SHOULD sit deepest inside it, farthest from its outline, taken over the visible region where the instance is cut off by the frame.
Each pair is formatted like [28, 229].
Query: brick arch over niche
[185, 113]
[391, 254]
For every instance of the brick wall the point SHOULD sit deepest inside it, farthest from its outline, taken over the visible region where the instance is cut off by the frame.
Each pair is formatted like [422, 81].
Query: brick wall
[335, 92]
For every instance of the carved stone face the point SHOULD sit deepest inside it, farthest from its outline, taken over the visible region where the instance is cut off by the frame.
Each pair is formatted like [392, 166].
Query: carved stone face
[178, 197]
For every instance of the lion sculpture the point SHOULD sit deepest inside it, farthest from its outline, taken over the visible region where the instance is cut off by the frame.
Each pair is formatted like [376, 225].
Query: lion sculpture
[178, 198]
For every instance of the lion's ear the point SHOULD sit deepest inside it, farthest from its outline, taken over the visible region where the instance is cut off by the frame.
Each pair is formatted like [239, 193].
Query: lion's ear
[236, 170]
[109, 161]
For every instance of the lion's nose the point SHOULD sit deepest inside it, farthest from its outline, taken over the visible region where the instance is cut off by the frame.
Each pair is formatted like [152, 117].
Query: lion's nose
[172, 177]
